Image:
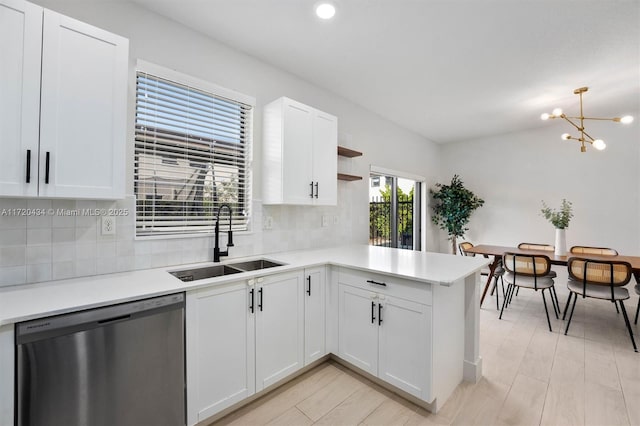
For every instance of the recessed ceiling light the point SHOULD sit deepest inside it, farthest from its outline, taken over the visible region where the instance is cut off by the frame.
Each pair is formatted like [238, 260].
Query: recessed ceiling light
[325, 10]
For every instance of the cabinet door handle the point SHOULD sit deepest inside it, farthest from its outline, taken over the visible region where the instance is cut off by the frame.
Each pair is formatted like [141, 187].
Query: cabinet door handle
[379, 313]
[260, 298]
[376, 283]
[46, 167]
[317, 189]
[311, 185]
[28, 166]
[251, 306]
[373, 312]
[309, 281]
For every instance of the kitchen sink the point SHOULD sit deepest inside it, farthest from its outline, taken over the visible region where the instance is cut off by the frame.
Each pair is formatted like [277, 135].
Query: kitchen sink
[205, 272]
[254, 265]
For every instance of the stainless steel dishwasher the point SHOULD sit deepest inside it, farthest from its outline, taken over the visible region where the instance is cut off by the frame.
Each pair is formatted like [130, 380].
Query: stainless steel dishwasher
[121, 365]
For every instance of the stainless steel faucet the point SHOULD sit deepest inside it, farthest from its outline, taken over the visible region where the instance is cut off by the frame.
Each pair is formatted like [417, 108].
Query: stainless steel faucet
[216, 250]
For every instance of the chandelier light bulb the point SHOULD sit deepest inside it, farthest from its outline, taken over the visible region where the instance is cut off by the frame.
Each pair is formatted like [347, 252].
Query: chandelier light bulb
[626, 119]
[565, 136]
[325, 10]
[557, 112]
[599, 144]
[544, 116]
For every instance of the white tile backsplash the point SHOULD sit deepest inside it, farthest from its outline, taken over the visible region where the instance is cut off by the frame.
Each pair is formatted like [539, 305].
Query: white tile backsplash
[69, 244]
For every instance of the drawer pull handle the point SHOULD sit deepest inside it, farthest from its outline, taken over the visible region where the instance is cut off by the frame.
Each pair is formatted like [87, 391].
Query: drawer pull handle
[309, 281]
[379, 313]
[373, 310]
[46, 167]
[376, 283]
[260, 298]
[28, 166]
[252, 297]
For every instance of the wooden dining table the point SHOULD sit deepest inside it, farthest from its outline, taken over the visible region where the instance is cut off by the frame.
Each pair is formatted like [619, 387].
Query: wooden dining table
[498, 251]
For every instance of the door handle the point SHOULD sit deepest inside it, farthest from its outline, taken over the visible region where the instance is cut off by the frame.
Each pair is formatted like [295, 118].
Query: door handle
[28, 166]
[309, 281]
[376, 283]
[373, 312]
[252, 294]
[311, 185]
[317, 184]
[379, 313]
[260, 298]
[46, 167]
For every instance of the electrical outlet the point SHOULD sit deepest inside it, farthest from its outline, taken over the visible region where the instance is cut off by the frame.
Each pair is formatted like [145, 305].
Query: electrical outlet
[268, 223]
[335, 220]
[325, 220]
[108, 225]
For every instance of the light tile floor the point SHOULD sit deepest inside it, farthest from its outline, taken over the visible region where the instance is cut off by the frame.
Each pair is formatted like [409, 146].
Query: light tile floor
[531, 377]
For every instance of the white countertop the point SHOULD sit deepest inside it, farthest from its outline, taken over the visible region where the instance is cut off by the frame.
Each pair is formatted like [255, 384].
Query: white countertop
[24, 302]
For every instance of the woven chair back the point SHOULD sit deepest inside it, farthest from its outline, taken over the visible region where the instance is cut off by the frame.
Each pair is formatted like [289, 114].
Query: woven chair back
[463, 247]
[526, 264]
[594, 250]
[534, 246]
[599, 272]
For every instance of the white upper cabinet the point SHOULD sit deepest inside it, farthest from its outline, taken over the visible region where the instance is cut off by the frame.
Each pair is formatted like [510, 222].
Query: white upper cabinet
[67, 83]
[20, 50]
[299, 152]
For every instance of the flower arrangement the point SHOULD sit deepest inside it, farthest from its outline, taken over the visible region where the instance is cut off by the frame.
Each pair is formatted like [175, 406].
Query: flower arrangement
[559, 219]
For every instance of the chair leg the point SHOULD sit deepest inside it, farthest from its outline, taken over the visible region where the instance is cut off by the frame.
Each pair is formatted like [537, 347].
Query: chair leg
[556, 308]
[637, 312]
[518, 291]
[495, 288]
[573, 308]
[510, 294]
[617, 310]
[555, 295]
[504, 299]
[564, 315]
[544, 300]
[626, 321]
[502, 282]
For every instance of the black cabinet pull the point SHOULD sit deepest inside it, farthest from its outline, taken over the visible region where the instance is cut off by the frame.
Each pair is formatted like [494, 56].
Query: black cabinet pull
[309, 281]
[376, 283]
[316, 189]
[379, 313]
[28, 166]
[373, 312]
[311, 185]
[46, 167]
[260, 298]
[251, 307]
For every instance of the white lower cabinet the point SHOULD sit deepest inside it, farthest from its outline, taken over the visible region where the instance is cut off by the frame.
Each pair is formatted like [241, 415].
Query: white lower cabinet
[241, 338]
[220, 349]
[314, 314]
[388, 337]
[279, 327]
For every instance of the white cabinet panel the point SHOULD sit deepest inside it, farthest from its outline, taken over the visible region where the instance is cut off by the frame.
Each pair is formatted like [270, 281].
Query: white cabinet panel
[63, 105]
[405, 345]
[299, 154]
[279, 327]
[83, 110]
[314, 314]
[20, 52]
[220, 349]
[358, 328]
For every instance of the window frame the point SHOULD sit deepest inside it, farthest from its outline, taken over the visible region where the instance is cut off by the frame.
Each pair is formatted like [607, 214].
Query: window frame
[198, 84]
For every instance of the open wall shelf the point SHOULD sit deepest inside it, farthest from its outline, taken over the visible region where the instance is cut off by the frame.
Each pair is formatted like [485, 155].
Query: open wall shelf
[349, 153]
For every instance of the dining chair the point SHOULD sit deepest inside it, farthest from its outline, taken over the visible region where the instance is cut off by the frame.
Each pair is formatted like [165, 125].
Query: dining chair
[527, 271]
[497, 273]
[552, 274]
[604, 251]
[599, 279]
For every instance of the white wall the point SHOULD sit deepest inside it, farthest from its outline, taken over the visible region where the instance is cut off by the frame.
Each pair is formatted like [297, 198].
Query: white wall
[514, 172]
[55, 248]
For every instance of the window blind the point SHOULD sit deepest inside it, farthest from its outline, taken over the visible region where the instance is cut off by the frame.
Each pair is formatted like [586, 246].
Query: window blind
[192, 151]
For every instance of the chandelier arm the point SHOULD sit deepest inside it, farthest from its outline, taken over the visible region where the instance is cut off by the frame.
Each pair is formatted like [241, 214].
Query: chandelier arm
[572, 123]
[589, 136]
[594, 118]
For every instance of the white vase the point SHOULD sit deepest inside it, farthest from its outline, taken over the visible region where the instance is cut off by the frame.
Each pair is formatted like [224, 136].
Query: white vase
[561, 242]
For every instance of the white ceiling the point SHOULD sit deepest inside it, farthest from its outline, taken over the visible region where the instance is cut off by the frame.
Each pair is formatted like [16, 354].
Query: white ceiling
[449, 70]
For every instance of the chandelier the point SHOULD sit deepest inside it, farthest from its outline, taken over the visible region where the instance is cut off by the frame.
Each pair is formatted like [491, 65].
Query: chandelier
[584, 136]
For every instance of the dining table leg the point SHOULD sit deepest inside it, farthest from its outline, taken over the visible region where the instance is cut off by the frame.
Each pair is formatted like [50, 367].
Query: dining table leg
[492, 268]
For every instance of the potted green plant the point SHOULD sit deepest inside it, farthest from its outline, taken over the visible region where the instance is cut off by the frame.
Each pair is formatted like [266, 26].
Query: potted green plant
[560, 220]
[453, 207]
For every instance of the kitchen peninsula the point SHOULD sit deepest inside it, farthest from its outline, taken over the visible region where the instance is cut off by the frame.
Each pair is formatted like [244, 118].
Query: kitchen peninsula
[409, 319]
